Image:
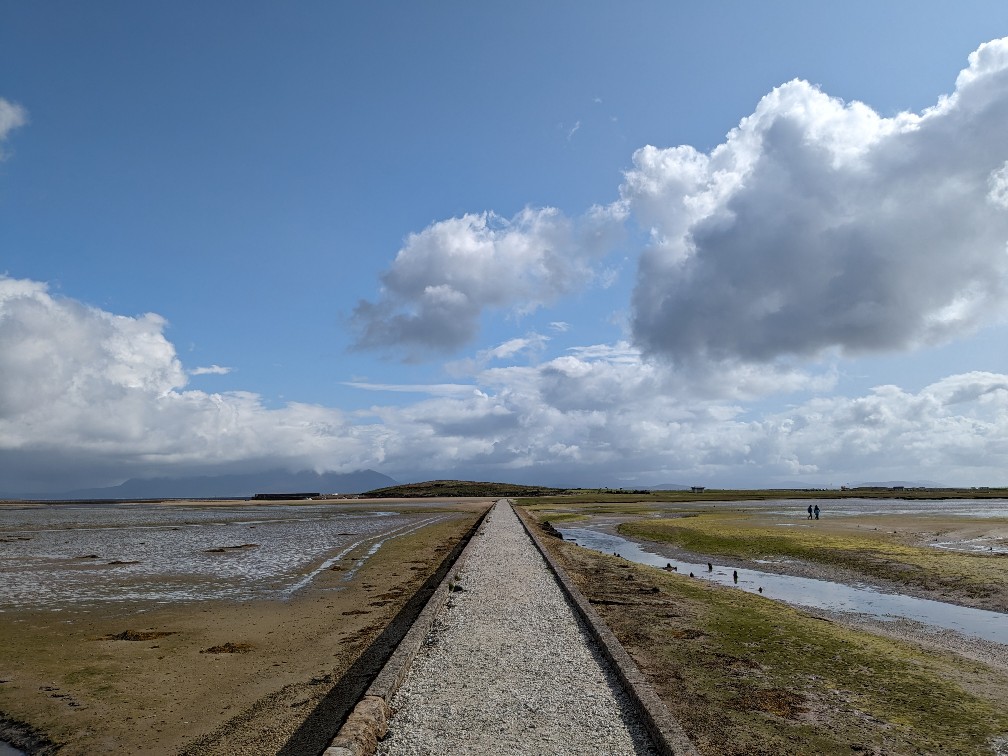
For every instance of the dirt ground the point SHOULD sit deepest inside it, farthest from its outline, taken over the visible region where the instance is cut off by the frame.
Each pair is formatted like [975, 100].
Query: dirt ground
[222, 678]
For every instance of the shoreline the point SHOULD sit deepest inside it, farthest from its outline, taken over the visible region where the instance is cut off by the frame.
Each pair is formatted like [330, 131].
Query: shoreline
[919, 633]
[234, 676]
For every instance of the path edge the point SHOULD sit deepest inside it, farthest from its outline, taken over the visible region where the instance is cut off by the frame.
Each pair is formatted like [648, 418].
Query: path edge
[368, 721]
[665, 731]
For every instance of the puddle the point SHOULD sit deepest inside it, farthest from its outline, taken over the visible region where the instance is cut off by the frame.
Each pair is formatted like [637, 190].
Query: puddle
[6, 749]
[974, 545]
[818, 594]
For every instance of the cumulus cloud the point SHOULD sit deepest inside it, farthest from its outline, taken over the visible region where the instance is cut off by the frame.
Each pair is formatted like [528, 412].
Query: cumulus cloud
[104, 396]
[821, 226]
[590, 416]
[956, 427]
[91, 398]
[445, 276]
[12, 116]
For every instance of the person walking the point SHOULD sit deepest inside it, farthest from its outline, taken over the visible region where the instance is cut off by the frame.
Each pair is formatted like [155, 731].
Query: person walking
[810, 511]
[816, 511]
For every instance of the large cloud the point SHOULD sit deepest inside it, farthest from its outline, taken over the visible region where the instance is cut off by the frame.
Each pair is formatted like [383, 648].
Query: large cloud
[90, 398]
[820, 226]
[603, 416]
[445, 276]
[102, 397]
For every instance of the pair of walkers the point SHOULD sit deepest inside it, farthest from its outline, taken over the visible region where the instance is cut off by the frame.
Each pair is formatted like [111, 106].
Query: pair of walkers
[812, 510]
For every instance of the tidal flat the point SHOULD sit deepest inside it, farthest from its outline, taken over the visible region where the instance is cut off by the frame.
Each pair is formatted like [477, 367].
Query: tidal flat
[745, 673]
[217, 628]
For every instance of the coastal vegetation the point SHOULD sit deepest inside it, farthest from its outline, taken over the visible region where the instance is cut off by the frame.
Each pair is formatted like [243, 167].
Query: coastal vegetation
[867, 545]
[745, 674]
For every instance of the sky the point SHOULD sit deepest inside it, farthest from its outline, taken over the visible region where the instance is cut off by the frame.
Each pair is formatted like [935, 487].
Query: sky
[732, 244]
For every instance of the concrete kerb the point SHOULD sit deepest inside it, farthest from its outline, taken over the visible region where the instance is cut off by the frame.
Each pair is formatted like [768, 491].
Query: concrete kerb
[666, 733]
[368, 722]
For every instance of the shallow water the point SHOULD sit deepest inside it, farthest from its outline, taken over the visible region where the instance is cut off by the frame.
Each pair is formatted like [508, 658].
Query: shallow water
[974, 508]
[6, 749]
[62, 556]
[818, 594]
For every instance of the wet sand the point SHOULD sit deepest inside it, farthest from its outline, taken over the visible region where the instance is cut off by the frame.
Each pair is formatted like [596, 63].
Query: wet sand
[234, 677]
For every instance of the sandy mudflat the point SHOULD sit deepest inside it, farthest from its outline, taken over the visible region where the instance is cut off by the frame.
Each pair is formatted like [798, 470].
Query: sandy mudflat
[232, 677]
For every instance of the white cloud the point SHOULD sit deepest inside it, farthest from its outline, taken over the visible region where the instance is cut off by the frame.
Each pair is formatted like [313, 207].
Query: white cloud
[12, 116]
[445, 276]
[955, 429]
[432, 389]
[102, 397]
[90, 398]
[211, 370]
[819, 226]
[997, 184]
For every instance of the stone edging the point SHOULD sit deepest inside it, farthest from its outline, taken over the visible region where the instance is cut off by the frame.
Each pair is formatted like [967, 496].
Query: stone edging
[667, 734]
[368, 722]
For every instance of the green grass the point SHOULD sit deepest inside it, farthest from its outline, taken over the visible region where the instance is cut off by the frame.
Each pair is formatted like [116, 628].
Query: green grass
[854, 671]
[745, 674]
[978, 575]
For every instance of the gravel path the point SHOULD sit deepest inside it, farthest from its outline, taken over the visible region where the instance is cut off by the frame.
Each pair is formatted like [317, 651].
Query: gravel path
[508, 668]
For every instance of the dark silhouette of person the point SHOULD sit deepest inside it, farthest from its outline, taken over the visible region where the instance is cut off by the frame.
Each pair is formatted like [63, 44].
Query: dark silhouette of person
[735, 575]
[816, 511]
[810, 511]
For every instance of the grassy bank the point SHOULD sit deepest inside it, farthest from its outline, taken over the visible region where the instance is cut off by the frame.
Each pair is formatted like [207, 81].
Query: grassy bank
[868, 546]
[746, 675]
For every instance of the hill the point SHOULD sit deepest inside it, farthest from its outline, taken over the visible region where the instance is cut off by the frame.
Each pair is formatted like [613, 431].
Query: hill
[447, 488]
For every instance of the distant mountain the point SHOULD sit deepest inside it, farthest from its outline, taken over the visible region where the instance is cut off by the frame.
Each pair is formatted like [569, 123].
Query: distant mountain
[231, 486]
[669, 487]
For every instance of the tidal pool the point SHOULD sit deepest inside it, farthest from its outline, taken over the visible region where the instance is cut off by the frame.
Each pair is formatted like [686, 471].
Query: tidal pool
[76, 556]
[818, 594]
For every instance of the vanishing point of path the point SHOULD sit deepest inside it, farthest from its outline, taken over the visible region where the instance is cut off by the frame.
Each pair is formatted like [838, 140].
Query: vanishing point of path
[508, 667]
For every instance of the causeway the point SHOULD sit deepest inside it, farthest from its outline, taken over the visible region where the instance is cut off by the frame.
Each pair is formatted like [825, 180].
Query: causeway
[508, 667]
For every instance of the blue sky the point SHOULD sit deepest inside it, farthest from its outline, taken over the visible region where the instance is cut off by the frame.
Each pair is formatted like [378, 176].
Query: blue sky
[512, 242]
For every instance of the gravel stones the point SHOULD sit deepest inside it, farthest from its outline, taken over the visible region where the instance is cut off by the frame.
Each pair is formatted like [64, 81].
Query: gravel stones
[508, 668]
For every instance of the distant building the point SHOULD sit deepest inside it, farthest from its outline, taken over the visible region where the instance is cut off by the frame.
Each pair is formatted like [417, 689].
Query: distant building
[697, 489]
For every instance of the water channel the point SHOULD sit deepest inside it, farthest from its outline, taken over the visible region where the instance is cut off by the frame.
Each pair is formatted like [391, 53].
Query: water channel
[808, 592]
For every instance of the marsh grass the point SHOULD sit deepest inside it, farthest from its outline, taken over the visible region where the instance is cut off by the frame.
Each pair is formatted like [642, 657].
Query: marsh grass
[868, 551]
[746, 674]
